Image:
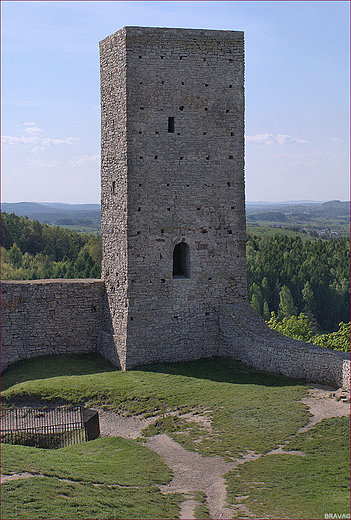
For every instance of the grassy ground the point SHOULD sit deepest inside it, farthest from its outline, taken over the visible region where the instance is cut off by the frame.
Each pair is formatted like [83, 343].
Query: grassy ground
[105, 478]
[301, 487]
[249, 411]
[248, 408]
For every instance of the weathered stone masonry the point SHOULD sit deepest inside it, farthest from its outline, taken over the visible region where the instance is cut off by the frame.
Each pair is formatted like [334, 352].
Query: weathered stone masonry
[49, 317]
[173, 222]
[172, 173]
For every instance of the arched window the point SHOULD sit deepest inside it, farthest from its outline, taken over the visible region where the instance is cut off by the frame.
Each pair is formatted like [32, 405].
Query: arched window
[181, 261]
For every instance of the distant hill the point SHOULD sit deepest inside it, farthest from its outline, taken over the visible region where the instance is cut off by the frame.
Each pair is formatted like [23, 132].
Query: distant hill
[57, 213]
[327, 219]
[268, 216]
[262, 206]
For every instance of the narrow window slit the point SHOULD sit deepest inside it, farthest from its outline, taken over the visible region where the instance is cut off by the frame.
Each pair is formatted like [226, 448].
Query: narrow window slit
[171, 125]
[181, 261]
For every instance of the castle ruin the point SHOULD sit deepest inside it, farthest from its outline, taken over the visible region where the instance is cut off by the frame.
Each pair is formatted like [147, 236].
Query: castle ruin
[172, 219]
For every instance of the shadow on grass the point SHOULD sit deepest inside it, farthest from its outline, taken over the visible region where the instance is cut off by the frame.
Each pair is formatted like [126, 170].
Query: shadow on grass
[218, 369]
[223, 370]
[44, 367]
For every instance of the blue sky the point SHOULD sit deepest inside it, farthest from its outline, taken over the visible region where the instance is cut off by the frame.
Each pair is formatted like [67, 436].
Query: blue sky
[297, 93]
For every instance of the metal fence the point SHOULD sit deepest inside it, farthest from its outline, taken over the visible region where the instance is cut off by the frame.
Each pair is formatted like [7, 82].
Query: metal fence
[48, 427]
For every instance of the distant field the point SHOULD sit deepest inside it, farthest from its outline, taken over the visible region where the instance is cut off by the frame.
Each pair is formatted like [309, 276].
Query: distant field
[94, 229]
[327, 220]
[265, 228]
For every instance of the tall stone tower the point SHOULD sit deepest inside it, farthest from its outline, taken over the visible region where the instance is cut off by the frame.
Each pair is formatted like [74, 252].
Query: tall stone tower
[172, 191]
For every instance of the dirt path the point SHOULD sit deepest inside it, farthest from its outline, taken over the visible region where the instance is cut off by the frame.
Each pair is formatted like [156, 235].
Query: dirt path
[192, 472]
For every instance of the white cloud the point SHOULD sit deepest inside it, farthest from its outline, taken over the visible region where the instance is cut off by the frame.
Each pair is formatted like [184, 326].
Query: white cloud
[301, 155]
[38, 163]
[33, 130]
[260, 138]
[270, 139]
[85, 159]
[311, 163]
[35, 140]
[335, 139]
[282, 139]
[31, 124]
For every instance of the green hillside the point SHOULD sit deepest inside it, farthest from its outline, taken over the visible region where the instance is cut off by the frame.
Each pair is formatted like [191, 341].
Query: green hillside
[31, 250]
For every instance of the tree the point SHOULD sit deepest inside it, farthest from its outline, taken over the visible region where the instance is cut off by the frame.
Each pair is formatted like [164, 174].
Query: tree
[266, 313]
[295, 327]
[339, 340]
[15, 256]
[308, 297]
[256, 298]
[286, 303]
[275, 261]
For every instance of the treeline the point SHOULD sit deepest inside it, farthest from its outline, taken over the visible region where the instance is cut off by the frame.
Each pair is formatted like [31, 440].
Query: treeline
[31, 250]
[288, 276]
[285, 275]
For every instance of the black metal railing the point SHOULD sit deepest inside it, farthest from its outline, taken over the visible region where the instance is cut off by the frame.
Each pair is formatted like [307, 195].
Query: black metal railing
[48, 427]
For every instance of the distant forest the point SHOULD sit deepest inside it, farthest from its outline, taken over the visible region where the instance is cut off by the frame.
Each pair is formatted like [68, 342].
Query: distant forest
[288, 275]
[285, 275]
[31, 250]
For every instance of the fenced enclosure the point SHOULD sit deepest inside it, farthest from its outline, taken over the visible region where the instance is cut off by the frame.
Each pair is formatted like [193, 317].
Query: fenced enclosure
[49, 427]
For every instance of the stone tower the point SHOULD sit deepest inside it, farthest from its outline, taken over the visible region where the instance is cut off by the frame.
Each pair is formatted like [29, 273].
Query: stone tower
[172, 191]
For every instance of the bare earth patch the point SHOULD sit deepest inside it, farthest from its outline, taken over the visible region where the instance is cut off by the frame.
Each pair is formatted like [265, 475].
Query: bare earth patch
[192, 472]
[323, 404]
[18, 476]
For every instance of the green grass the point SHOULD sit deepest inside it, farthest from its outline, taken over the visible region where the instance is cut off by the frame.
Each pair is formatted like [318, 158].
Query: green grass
[49, 498]
[109, 461]
[248, 408]
[201, 510]
[116, 478]
[301, 487]
[46, 367]
[105, 478]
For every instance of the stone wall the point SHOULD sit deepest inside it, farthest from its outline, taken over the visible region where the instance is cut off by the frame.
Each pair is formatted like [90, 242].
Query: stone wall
[246, 337]
[49, 317]
[72, 316]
